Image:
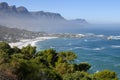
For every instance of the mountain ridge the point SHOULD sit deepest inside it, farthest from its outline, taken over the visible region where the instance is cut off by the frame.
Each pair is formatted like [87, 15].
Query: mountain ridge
[21, 10]
[21, 17]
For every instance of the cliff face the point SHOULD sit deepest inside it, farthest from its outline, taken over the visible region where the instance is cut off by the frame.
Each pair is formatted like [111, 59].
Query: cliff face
[21, 17]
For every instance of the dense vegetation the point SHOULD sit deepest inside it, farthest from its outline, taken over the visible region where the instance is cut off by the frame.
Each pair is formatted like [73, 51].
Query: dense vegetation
[27, 64]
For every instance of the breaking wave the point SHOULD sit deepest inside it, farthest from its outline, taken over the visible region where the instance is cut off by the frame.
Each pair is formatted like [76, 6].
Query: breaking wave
[115, 46]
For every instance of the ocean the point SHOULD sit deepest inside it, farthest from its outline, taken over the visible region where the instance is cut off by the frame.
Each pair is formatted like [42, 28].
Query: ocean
[100, 52]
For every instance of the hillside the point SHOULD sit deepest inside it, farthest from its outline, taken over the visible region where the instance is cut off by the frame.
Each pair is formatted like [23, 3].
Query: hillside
[14, 34]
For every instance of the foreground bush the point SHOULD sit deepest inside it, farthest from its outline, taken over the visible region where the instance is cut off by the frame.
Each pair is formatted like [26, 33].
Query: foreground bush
[26, 64]
[105, 75]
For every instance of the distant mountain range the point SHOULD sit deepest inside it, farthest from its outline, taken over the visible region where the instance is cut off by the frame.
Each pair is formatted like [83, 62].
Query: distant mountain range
[6, 10]
[20, 17]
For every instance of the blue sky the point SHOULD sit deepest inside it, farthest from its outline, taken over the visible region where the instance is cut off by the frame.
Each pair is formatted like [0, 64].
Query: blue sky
[94, 11]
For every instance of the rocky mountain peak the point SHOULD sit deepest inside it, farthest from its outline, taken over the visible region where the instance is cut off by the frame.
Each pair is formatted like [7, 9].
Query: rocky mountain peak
[22, 9]
[47, 15]
[12, 8]
[4, 5]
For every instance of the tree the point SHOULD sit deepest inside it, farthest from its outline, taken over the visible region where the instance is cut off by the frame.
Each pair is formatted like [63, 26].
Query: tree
[67, 56]
[48, 74]
[5, 47]
[39, 61]
[63, 68]
[78, 75]
[4, 58]
[48, 55]
[28, 51]
[105, 75]
[83, 66]
[16, 50]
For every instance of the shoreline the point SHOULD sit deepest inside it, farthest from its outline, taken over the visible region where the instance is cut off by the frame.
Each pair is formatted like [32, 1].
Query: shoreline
[32, 42]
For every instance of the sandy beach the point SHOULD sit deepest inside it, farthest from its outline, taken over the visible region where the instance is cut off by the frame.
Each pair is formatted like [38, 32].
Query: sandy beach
[32, 42]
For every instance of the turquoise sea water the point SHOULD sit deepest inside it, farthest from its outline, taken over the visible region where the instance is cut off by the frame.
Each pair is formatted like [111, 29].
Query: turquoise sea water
[101, 53]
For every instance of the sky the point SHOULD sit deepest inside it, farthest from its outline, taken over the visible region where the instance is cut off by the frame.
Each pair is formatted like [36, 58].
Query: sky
[94, 11]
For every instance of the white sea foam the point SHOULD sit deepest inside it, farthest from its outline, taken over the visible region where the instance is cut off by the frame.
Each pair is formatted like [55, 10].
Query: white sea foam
[101, 48]
[100, 35]
[117, 65]
[97, 71]
[95, 35]
[113, 38]
[115, 46]
[86, 48]
[98, 48]
[52, 47]
[77, 47]
[80, 35]
[77, 60]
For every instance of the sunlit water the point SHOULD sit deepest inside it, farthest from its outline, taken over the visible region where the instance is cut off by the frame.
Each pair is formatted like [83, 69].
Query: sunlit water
[101, 53]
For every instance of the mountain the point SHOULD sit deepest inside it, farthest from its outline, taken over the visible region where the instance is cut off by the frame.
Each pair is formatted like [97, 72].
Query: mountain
[6, 10]
[48, 15]
[21, 17]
